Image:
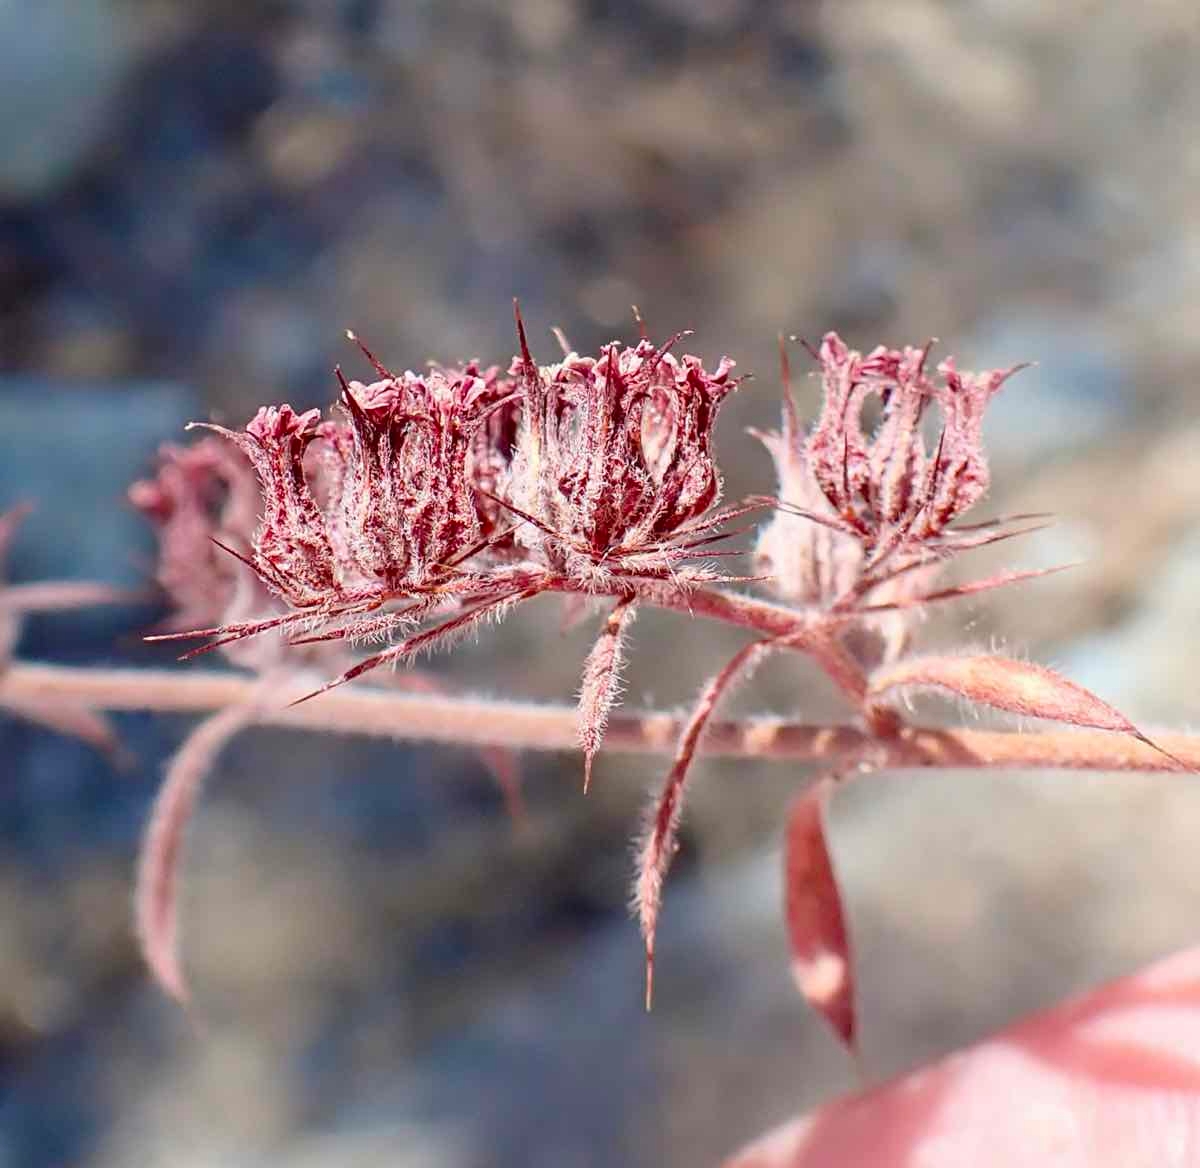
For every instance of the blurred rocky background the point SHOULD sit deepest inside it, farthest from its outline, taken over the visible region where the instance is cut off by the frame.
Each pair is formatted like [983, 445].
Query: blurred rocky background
[198, 196]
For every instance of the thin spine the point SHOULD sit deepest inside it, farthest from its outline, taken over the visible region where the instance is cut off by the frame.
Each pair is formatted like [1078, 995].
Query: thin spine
[426, 640]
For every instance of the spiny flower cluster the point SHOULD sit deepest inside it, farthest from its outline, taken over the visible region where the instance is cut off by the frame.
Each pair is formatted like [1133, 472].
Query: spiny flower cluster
[614, 466]
[864, 520]
[376, 503]
[203, 499]
[429, 502]
[458, 490]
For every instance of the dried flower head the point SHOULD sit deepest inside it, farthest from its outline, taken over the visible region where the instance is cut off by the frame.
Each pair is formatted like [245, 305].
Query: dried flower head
[299, 520]
[200, 494]
[866, 519]
[290, 548]
[404, 506]
[614, 465]
[376, 505]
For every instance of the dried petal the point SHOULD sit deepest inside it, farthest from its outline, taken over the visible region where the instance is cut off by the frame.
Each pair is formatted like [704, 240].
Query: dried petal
[837, 448]
[820, 948]
[200, 495]
[810, 556]
[291, 547]
[964, 479]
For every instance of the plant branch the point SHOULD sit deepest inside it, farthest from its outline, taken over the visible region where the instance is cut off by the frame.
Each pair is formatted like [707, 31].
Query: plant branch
[474, 721]
[804, 630]
[733, 608]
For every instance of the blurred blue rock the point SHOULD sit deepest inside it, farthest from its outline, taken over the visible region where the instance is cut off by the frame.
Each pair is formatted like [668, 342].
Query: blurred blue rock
[1075, 395]
[62, 63]
[72, 451]
[1145, 665]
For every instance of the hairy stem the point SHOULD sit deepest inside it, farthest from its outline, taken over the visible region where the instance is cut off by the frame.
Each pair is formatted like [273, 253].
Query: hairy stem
[807, 631]
[471, 721]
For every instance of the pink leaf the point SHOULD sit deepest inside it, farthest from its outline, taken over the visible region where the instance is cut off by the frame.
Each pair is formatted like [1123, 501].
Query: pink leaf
[1107, 1078]
[1018, 687]
[601, 684]
[156, 896]
[821, 959]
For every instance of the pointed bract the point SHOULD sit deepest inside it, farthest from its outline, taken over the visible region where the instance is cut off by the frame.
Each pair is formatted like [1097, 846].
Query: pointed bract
[72, 721]
[600, 687]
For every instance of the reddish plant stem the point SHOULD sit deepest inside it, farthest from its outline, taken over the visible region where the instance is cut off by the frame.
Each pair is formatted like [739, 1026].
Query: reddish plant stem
[467, 721]
[810, 631]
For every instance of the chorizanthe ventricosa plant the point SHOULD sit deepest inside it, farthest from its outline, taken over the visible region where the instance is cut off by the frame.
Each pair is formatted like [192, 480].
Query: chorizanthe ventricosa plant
[426, 503]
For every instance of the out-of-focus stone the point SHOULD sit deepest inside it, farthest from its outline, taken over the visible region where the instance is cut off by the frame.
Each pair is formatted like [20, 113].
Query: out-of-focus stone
[1075, 394]
[82, 527]
[62, 63]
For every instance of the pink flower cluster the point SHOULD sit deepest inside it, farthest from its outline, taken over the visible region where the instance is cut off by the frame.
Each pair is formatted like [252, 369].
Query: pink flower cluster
[614, 467]
[435, 491]
[426, 503]
[864, 521]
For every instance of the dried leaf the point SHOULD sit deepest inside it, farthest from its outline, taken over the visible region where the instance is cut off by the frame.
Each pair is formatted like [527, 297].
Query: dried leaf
[156, 897]
[660, 844]
[10, 520]
[601, 684]
[1019, 687]
[73, 721]
[1109, 1077]
[821, 959]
